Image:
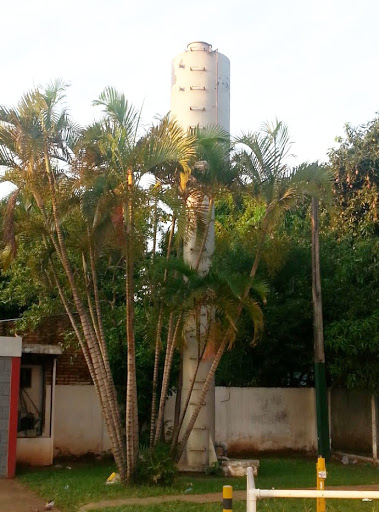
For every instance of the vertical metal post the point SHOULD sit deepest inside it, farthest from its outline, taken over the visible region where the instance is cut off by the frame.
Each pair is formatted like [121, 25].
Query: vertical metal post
[318, 332]
[52, 404]
[227, 498]
[251, 503]
[374, 429]
[251, 499]
[321, 477]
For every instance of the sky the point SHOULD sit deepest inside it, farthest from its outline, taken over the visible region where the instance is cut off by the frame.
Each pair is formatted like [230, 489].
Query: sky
[312, 64]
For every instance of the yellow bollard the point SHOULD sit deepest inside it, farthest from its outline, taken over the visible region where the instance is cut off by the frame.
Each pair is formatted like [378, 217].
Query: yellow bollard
[227, 498]
[321, 477]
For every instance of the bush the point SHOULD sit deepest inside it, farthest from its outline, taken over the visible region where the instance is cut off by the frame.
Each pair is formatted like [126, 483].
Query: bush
[156, 466]
[214, 469]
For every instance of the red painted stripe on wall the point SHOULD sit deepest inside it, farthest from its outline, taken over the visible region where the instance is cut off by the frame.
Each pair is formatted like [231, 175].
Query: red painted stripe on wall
[13, 416]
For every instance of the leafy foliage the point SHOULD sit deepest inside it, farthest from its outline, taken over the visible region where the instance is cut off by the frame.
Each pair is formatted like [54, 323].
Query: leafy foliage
[356, 166]
[156, 467]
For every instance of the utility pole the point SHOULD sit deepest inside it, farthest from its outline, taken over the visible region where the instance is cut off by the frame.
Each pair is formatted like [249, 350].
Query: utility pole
[318, 335]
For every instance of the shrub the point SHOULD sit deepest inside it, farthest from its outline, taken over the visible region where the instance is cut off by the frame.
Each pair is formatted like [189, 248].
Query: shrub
[214, 469]
[156, 466]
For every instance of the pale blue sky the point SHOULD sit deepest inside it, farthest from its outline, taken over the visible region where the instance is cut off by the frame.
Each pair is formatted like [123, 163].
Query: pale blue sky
[312, 64]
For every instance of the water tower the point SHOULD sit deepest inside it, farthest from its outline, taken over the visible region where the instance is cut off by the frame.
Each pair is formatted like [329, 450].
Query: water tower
[200, 87]
[200, 96]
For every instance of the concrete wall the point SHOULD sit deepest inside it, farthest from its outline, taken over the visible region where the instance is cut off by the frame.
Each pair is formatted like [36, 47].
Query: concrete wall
[5, 388]
[351, 421]
[248, 420]
[252, 420]
[35, 451]
[79, 426]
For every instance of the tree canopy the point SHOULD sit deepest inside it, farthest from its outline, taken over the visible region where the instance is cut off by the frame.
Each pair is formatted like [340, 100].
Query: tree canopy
[98, 225]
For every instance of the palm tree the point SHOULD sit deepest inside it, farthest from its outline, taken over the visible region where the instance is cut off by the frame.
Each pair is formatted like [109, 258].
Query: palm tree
[93, 174]
[36, 148]
[263, 168]
[193, 213]
[262, 162]
[164, 143]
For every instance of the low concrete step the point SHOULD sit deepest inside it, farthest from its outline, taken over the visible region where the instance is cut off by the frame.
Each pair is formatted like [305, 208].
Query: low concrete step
[238, 467]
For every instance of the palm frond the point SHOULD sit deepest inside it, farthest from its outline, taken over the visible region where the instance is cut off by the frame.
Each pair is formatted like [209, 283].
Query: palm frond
[9, 224]
[165, 143]
[117, 108]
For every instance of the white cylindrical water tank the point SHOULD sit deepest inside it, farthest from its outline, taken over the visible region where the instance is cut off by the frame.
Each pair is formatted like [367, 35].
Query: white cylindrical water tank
[200, 96]
[200, 87]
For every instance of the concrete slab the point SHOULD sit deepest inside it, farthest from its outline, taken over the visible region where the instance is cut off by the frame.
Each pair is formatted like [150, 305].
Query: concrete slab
[14, 497]
[238, 467]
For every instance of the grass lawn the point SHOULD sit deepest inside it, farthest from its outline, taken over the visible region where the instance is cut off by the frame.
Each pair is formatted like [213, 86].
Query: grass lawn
[84, 483]
[263, 506]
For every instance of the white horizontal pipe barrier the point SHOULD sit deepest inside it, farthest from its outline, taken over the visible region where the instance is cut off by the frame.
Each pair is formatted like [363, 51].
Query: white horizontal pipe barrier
[254, 494]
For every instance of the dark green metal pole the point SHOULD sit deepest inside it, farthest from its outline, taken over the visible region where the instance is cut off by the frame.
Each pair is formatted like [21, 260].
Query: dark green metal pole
[318, 334]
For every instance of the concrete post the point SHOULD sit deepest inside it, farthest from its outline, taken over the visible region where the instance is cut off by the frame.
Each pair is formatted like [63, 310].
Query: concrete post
[321, 477]
[227, 498]
[10, 357]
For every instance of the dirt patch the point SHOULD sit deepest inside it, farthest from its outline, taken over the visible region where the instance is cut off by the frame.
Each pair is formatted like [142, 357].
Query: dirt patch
[14, 497]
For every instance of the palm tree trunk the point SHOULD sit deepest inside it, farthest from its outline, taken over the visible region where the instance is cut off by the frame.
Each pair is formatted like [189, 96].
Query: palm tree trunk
[158, 343]
[178, 398]
[166, 373]
[103, 347]
[261, 243]
[164, 376]
[318, 336]
[177, 428]
[155, 377]
[75, 326]
[204, 391]
[101, 379]
[155, 229]
[89, 299]
[97, 299]
[131, 390]
[114, 433]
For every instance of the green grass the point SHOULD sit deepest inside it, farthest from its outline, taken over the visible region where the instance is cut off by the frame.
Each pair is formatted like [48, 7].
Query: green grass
[84, 483]
[263, 506]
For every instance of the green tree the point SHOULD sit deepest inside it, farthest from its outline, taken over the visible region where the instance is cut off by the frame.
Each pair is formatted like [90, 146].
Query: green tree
[355, 164]
[82, 195]
[275, 189]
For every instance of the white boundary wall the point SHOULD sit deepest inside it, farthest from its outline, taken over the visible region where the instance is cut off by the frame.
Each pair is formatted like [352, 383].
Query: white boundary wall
[248, 420]
[252, 420]
[79, 426]
[266, 419]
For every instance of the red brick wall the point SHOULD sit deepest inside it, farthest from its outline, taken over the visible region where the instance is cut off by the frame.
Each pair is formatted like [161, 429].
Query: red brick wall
[71, 365]
[72, 368]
